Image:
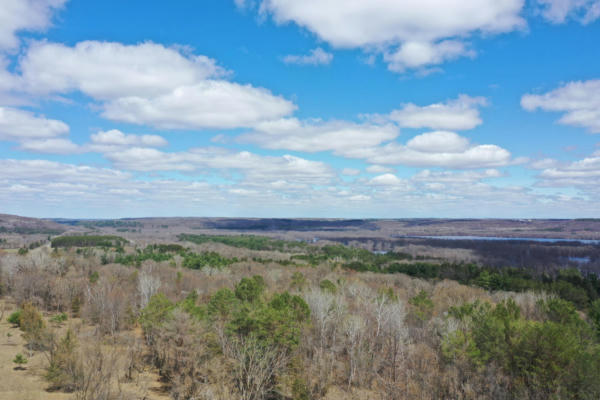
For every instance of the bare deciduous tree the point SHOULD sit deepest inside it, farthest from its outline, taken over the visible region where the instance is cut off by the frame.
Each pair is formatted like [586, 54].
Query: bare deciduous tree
[97, 377]
[356, 332]
[148, 285]
[106, 305]
[255, 365]
[327, 313]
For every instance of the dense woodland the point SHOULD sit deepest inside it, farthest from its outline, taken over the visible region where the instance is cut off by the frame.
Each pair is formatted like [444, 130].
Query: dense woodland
[537, 257]
[250, 317]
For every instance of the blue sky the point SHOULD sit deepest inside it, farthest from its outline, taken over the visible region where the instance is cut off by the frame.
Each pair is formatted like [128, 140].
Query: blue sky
[271, 108]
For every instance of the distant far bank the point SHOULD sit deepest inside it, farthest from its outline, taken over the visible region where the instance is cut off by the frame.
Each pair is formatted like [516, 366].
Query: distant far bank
[302, 228]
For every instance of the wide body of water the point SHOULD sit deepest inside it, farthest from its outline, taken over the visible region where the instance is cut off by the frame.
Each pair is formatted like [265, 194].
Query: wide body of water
[516, 239]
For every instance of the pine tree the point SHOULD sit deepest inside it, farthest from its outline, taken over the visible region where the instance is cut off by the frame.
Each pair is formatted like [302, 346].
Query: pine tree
[20, 360]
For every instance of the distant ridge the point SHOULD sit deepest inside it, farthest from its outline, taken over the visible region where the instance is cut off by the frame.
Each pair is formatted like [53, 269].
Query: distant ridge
[26, 225]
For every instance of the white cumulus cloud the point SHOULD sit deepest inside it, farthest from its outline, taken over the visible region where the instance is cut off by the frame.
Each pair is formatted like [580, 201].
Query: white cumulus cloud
[256, 169]
[109, 70]
[340, 137]
[375, 144]
[114, 139]
[440, 149]
[378, 169]
[350, 172]
[410, 34]
[316, 56]
[149, 84]
[386, 180]
[579, 101]
[20, 125]
[51, 146]
[584, 173]
[24, 15]
[416, 54]
[457, 114]
[438, 142]
[208, 104]
[455, 177]
[558, 11]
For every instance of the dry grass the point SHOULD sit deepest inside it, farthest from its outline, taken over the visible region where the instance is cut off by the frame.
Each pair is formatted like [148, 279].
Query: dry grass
[29, 384]
[25, 384]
